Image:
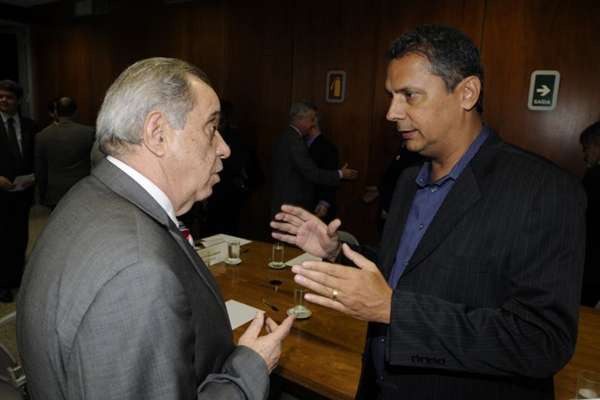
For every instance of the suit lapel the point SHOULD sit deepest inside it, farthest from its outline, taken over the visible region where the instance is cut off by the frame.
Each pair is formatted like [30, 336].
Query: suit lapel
[463, 195]
[124, 186]
[404, 194]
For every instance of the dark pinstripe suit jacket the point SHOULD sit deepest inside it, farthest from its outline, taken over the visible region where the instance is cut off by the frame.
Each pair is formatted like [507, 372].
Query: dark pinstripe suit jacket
[488, 305]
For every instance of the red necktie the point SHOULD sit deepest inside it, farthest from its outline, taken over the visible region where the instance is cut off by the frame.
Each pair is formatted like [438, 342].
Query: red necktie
[185, 232]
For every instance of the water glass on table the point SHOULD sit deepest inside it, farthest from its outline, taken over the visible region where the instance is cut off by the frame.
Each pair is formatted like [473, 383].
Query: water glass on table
[277, 256]
[233, 252]
[588, 385]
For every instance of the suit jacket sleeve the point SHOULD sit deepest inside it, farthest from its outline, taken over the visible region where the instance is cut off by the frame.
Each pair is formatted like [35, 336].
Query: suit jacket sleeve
[307, 167]
[145, 308]
[533, 331]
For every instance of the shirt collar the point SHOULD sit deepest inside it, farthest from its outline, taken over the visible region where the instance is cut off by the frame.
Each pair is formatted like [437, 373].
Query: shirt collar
[5, 117]
[423, 177]
[153, 190]
[311, 140]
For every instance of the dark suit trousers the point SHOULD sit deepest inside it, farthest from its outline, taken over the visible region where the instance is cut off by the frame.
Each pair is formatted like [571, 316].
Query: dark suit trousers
[14, 235]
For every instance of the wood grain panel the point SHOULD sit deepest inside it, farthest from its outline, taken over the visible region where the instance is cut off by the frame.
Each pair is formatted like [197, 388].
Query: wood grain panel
[536, 34]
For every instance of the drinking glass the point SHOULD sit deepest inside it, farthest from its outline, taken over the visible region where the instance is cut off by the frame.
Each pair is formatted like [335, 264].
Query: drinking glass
[588, 385]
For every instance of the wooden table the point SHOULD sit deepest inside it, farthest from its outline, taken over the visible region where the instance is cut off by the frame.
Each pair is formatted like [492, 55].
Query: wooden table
[587, 354]
[323, 353]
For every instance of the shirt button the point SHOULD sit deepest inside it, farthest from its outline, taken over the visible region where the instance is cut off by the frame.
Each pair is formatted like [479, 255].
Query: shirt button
[434, 189]
[421, 226]
[405, 263]
[382, 340]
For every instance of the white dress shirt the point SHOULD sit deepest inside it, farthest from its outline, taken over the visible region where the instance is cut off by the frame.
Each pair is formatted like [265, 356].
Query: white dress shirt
[153, 190]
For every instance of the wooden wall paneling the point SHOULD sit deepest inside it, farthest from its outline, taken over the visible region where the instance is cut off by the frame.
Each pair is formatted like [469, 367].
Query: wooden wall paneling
[206, 41]
[531, 35]
[340, 35]
[258, 83]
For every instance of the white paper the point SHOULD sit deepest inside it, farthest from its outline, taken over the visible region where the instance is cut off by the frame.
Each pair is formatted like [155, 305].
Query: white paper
[301, 258]
[239, 313]
[220, 238]
[214, 254]
[22, 182]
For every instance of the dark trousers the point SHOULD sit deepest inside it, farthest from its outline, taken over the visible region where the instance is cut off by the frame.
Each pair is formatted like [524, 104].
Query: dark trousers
[14, 235]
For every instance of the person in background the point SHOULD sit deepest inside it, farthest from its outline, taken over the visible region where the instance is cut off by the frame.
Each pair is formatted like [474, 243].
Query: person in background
[116, 303]
[295, 174]
[474, 292]
[241, 175]
[62, 153]
[590, 143]
[16, 160]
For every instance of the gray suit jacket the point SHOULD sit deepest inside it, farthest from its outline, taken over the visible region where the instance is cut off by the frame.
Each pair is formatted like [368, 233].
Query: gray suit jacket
[295, 174]
[115, 304]
[62, 158]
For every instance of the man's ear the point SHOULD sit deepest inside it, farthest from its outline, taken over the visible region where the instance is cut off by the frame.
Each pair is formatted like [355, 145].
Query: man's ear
[155, 132]
[469, 91]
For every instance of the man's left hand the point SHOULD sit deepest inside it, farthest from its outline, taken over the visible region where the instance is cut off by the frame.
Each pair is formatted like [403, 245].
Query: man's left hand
[362, 292]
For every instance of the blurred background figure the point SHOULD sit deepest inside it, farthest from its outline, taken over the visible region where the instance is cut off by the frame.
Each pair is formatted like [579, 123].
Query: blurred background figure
[241, 175]
[325, 154]
[16, 159]
[295, 174]
[62, 153]
[590, 143]
[385, 190]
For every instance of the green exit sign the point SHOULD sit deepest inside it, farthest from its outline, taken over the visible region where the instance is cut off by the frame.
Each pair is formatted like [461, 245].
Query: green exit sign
[543, 90]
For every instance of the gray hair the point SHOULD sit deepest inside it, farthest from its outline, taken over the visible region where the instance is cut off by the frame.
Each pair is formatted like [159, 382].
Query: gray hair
[301, 109]
[152, 84]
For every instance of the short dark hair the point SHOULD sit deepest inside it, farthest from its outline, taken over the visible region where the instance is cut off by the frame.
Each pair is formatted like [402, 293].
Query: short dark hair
[591, 134]
[13, 87]
[451, 54]
[65, 107]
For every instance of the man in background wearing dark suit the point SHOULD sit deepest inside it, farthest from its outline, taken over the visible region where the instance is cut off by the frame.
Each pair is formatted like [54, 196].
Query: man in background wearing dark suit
[325, 154]
[16, 159]
[62, 153]
[474, 292]
[295, 174]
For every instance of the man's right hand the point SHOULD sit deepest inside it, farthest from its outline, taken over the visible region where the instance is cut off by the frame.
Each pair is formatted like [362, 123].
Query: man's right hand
[348, 173]
[267, 346]
[5, 183]
[297, 226]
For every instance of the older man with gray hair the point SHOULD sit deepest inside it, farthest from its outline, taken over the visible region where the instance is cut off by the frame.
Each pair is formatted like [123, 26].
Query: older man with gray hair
[115, 303]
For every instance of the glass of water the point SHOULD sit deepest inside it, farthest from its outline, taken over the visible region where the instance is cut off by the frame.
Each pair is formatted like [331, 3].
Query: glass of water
[588, 385]
[233, 252]
[277, 256]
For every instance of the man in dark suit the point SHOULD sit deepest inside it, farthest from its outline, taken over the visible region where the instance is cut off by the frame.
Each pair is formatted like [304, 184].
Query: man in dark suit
[62, 153]
[475, 290]
[16, 159]
[115, 302]
[295, 174]
[325, 154]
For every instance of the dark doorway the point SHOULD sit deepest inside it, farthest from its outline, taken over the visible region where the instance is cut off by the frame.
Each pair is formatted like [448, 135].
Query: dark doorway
[9, 67]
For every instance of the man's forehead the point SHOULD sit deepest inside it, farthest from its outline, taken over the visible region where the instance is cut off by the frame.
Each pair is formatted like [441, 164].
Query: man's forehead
[206, 98]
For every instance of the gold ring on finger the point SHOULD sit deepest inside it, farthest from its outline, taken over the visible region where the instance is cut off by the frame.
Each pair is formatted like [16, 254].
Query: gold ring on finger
[334, 294]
